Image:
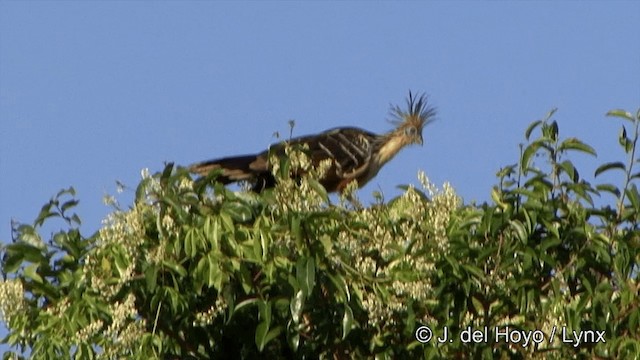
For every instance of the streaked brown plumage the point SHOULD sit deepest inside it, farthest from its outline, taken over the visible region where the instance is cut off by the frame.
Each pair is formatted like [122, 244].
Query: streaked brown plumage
[356, 154]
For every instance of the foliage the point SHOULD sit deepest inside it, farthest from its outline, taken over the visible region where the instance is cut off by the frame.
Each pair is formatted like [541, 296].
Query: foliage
[195, 270]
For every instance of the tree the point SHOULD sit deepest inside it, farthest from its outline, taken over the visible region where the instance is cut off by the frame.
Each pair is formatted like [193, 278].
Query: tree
[195, 270]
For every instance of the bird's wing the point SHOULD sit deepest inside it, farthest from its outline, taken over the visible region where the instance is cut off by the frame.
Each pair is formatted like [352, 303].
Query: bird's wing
[349, 148]
[234, 168]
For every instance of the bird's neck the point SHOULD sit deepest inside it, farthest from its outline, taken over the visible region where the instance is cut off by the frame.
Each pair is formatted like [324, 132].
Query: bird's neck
[390, 146]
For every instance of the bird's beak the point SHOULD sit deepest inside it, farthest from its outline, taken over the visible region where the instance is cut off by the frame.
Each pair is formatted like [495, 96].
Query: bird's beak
[419, 140]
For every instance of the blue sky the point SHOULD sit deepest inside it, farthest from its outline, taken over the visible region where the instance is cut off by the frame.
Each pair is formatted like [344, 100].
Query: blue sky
[93, 92]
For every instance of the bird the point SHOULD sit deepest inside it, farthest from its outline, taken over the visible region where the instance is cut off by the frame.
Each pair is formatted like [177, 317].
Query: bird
[354, 153]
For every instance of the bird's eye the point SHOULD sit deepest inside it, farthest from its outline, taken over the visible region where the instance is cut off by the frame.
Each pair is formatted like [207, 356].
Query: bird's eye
[410, 131]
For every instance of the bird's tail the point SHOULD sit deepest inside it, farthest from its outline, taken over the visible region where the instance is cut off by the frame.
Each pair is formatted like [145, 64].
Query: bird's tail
[236, 168]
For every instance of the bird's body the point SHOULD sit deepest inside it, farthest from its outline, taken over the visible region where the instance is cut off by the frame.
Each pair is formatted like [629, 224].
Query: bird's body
[355, 154]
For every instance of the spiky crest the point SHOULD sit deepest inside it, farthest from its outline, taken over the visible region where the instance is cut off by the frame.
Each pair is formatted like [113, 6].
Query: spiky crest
[418, 112]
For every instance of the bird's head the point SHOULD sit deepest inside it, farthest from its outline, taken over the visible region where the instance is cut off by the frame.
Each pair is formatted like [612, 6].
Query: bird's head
[411, 121]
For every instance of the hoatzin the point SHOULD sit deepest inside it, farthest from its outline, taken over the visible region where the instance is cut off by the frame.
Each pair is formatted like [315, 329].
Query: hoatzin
[355, 154]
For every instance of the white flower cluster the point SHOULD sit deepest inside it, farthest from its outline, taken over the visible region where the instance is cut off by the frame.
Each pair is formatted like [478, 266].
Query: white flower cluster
[554, 313]
[124, 229]
[185, 184]
[380, 314]
[85, 334]
[297, 194]
[123, 315]
[123, 333]
[207, 317]
[154, 185]
[59, 308]
[439, 210]
[122, 234]
[122, 336]
[399, 245]
[11, 300]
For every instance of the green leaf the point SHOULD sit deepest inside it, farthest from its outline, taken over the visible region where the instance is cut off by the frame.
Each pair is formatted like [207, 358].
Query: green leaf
[246, 279]
[553, 130]
[215, 276]
[601, 254]
[477, 305]
[318, 188]
[237, 211]
[84, 351]
[296, 305]
[621, 114]
[71, 191]
[189, 246]
[608, 166]
[166, 172]
[11, 262]
[506, 171]
[347, 321]
[570, 170]
[272, 334]
[624, 141]
[327, 243]
[294, 340]
[634, 196]
[529, 151]
[176, 206]
[296, 230]
[609, 188]
[28, 235]
[583, 190]
[340, 284]
[178, 269]
[576, 144]
[121, 263]
[245, 303]
[550, 114]
[227, 223]
[31, 272]
[262, 330]
[634, 322]
[473, 270]
[22, 251]
[531, 127]
[105, 265]
[76, 219]
[306, 274]
[68, 205]
[521, 232]
[212, 231]
[62, 240]
[496, 196]
[549, 243]
[45, 211]
[151, 278]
